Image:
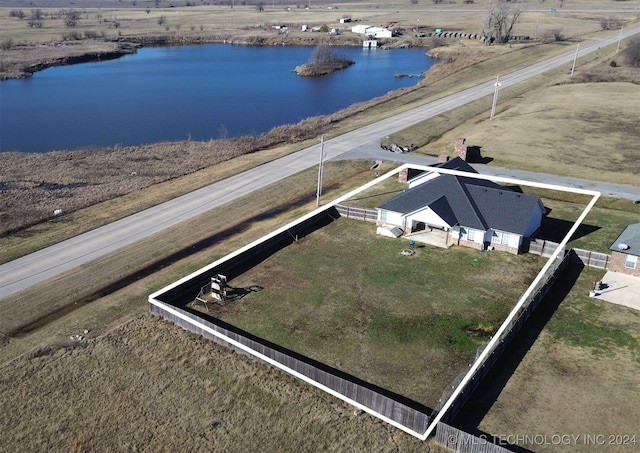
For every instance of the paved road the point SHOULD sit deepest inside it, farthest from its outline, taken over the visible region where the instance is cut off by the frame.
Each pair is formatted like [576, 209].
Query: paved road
[372, 151]
[52, 261]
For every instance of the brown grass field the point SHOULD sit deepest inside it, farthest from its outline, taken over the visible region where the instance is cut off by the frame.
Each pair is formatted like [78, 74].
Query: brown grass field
[136, 383]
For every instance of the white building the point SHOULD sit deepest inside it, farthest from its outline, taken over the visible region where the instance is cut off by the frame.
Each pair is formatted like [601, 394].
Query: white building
[375, 32]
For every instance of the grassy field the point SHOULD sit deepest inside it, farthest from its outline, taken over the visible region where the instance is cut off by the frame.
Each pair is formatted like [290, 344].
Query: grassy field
[550, 124]
[137, 383]
[600, 228]
[336, 298]
[580, 17]
[580, 340]
[150, 386]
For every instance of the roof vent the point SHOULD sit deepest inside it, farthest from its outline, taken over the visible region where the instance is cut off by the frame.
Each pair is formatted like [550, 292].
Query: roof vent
[623, 246]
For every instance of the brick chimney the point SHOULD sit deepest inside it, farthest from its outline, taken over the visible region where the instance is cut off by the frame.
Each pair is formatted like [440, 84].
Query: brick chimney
[461, 148]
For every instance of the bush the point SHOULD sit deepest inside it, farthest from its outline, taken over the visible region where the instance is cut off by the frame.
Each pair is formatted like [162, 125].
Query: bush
[71, 36]
[557, 34]
[554, 35]
[608, 23]
[436, 41]
[6, 44]
[17, 13]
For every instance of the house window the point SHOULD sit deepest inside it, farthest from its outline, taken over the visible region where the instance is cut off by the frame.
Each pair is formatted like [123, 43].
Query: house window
[631, 262]
[383, 215]
[499, 237]
[471, 234]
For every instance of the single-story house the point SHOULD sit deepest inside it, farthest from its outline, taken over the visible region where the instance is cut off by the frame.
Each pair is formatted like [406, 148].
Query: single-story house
[468, 211]
[625, 251]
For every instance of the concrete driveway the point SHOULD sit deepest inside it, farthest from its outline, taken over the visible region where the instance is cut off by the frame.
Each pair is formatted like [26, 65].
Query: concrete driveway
[620, 289]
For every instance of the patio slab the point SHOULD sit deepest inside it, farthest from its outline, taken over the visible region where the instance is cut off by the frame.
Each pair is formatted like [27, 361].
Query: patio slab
[436, 239]
[621, 289]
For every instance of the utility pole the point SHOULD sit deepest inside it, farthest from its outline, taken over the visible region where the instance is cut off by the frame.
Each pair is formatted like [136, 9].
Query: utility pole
[619, 38]
[574, 60]
[495, 96]
[320, 169]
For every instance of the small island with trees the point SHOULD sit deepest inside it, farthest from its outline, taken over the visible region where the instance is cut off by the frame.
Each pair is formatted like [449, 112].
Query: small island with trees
[324, 60]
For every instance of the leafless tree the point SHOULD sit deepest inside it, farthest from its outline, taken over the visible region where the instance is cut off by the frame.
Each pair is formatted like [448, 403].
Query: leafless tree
[17, 13]
[500, 20]
[323, 54]
[35, 20]
[556, 34]
[71, 18]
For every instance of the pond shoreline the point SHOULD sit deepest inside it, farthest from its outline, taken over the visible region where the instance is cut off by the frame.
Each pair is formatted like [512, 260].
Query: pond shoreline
[22, 61]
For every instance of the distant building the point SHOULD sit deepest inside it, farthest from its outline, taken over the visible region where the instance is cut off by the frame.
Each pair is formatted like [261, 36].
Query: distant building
[375, 32]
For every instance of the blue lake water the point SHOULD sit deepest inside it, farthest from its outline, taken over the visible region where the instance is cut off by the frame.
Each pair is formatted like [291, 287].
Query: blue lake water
[198, 92]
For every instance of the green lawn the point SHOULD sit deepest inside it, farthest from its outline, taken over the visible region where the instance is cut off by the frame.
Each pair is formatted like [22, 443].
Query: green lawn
[600, 228]
[349, 298]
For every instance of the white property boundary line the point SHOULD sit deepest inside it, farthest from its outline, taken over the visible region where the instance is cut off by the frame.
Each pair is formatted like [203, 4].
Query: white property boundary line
[477, 363]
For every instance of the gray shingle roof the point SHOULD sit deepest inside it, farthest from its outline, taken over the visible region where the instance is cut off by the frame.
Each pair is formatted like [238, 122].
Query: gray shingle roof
[631, 237]
[473, 203]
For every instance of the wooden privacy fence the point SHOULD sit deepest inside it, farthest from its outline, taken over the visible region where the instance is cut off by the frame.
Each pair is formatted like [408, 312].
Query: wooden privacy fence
[588, 258]
[370, 215]
[593, 259]
[509, 335]
[542, 247]
[378, 400]
[463, 442]
[172, 304]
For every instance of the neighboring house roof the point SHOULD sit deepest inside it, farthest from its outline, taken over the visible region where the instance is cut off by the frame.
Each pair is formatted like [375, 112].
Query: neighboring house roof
[458, 164]
[630, 237]
[468, 202]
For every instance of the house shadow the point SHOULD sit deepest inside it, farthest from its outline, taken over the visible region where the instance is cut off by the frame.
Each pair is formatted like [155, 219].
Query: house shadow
[485, 396]
[555, 230]
[474, 155]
